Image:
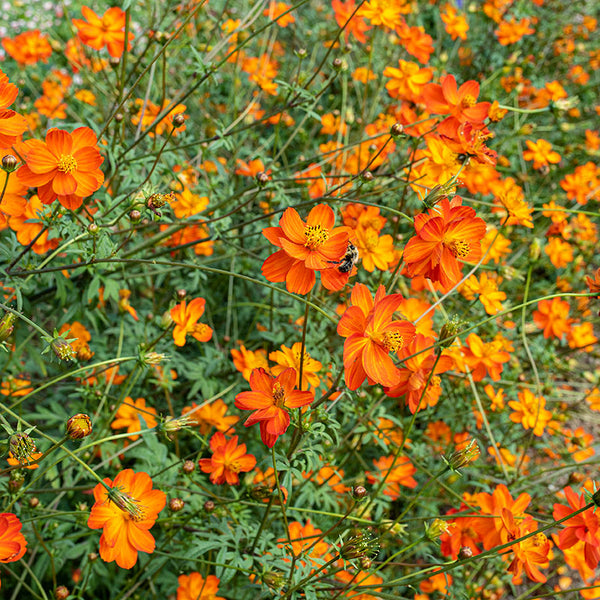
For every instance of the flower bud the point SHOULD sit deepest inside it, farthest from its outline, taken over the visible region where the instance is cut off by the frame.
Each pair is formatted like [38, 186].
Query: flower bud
[359, 492]
[79, 426]
[7, 324]
[464, 553]
[178, 120]
[209, 506]
[535, 250]
[188, 467]
[396, 130]
[367, 176]
[262, 179]
[176, 504]
[9, 163]
[118, 117]
[92, 228]
[134, 215]
[449, 331]
[34, 502]
[61, 592]
[92, 556]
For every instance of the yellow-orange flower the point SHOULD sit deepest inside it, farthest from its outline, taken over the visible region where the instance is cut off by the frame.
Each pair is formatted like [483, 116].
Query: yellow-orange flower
[540, 153]
[195, 587]
[28, 47]
[134, 415]
[185, 316]
[126, 514]
[290, 357]
[530, 412]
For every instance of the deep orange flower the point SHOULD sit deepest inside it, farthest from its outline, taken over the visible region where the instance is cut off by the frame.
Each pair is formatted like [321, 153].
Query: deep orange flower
[485, 357]
[195, 587]
[486, 290]
[134, 415]
[188, 204]
[552, 317]
[511, 31]
[415, 41]
[210, 415]
[126, 514]
[354, 25]
[27, 462]
[12, 124]
[455, 24]
[530, 411]
[28, 227]
[108, 30]
[290, 357]
[79, 337]
[401, 473]
[227, 460]
[303, 539]
[28, 47]
[530, 554]
[276, 9]
[584, 527]
[407, 81]
[490, 525]
[415, 370]
[12, 542]
[386, 13]
[461, 534]
[185, 316]
[305, 248]
[148, 113]
[459, 103]
[446, 235]
[540, 153]
[246, 361]
[270, 399]
[65, 166]
[593, 284]
[371, 335]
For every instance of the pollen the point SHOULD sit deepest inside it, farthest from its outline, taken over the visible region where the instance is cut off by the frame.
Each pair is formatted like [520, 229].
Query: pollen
[67, 163]
[316, 236]
[278, 395]
[371, 239]
[468, 101]
[459, 248]
[393, 341]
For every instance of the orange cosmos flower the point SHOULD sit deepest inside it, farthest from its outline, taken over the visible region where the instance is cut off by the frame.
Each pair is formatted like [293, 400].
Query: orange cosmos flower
[530, 554]
[579, 444]
[29, 227]
[510, 32]
[461, 534]
[459, 103]
[188, 204]
[552, 317]
[246, 361]
[530, 412]
[210, 415]
[276, 9]
[227, 460]
[27, 462]
[540, 153]
[108, 30]
[28, 47]
[455, 24]
[371, 335]
[12, 542]
[270, 399]
[12, 124]
[126, 514]
[486, 289]
[484, 357]
[353, 23]
[375, 251]
[407, 81]
[134, 415]
[445, 235]
[148, 113]
[305, 248]
[303, 538]
[81, 338]
[584, 527]
[387, 13]
[490, 524]
[415, 41]
[65, 166]
[559, 252]
[415, 370]
[401, 473]
[195, 587]
[290, 357]
[185, 316]
[359, 579]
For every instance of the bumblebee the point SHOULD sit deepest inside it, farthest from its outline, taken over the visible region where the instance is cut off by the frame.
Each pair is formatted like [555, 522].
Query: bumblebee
[349, 259]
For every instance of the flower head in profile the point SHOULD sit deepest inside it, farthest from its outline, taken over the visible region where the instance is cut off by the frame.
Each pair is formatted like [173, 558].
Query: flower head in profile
[445, 236]
[196, 587]
[371, 334]
[185, 316]
[12, 124]
[105, 31]
[66, 166]
[270, 399]
[210, 414]
[126, 513]
[227, 460]
[305, 248]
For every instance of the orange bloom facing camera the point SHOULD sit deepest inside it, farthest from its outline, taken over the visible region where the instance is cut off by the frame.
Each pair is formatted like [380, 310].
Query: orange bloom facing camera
[66, 166]
[98, 32]
[126, 514]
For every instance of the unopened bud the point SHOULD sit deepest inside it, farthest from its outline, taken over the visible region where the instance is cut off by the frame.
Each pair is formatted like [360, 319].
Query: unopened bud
[396, 129]
[262, 179]
[176, 504]
[92, 228]
[181, 294]
[359, 492]
[178, 120]
[367, 176]
[338, 64]
[301, 53]
[535, 250]
[135, 215]
[188, 467]
[61, 592]
[118, 117]
[7, 324]
[9, 163]
[209, 506]
[464, 553]
[79, 426]
[34, 502]
[449, 331]
[92, 556]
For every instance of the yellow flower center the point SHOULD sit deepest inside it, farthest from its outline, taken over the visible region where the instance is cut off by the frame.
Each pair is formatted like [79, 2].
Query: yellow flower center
[67, 163]
[278, 395]
[459, 248]
[371, 239]
[316, 236]
[468, 101]
[393, 341]
[200, 328]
